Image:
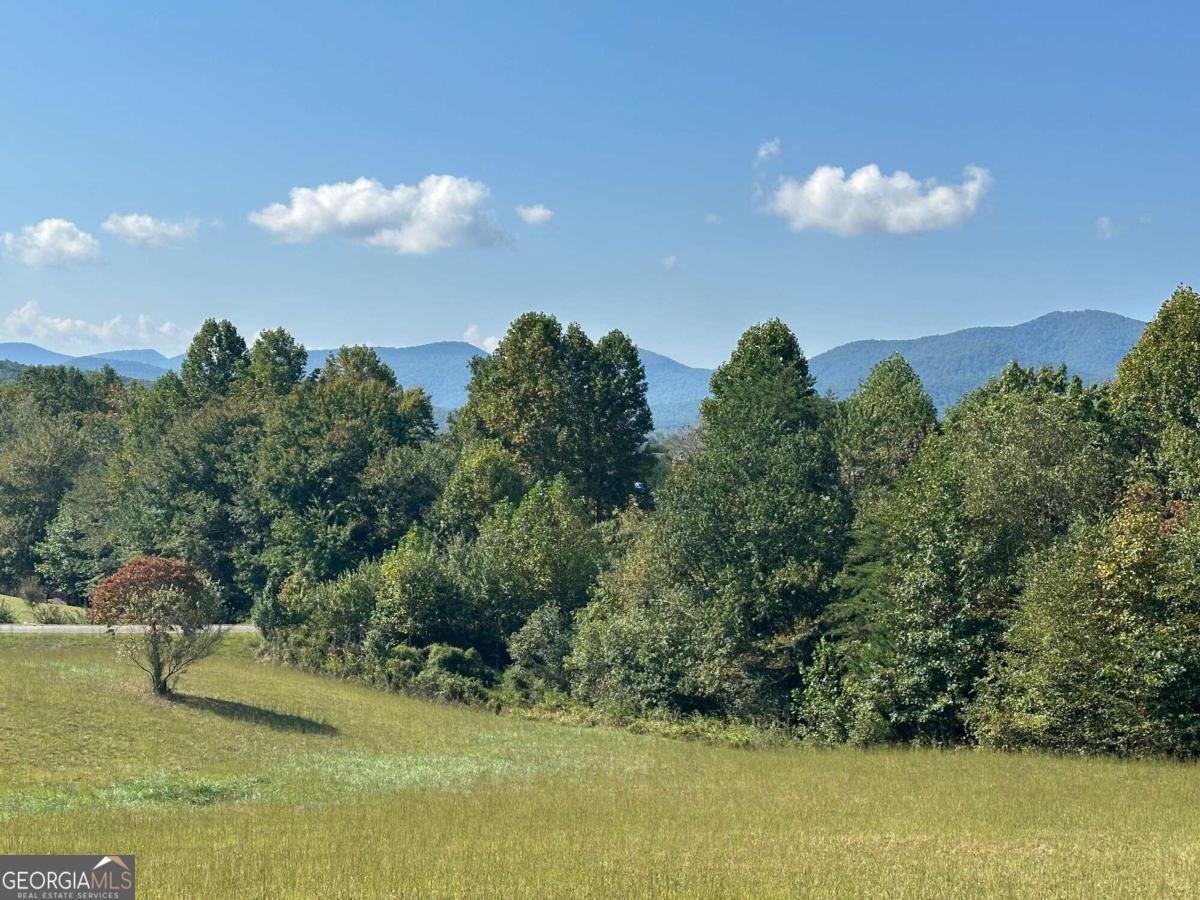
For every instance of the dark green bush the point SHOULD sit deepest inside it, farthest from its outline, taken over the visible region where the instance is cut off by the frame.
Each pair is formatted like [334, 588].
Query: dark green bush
[539, 650]
[454, 674]
[398, 669]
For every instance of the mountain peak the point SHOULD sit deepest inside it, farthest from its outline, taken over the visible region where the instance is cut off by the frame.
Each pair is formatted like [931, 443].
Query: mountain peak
[1090, 342]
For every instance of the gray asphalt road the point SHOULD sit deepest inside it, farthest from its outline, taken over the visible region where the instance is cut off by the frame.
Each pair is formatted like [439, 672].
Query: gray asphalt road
[99, 629]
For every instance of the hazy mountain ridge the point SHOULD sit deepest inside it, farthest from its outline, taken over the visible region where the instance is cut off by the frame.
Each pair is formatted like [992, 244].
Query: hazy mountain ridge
[442, 368]
[1090, 342]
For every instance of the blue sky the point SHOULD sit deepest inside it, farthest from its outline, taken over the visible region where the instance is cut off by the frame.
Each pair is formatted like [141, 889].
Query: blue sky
[645, 129]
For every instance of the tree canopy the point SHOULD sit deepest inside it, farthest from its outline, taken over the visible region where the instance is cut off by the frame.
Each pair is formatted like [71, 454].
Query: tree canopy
[1021, 574]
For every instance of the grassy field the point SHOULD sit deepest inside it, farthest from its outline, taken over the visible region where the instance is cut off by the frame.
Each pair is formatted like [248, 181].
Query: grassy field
[24, 615]
[265, 782]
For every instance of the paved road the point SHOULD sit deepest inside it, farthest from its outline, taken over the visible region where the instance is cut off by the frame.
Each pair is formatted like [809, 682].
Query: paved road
[99, 629]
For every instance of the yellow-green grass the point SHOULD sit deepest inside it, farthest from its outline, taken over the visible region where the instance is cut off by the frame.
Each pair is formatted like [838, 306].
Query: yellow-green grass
[271, 782]
[23, 615]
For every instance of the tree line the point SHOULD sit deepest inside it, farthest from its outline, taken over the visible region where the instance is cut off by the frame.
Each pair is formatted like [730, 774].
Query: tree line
[1024, 573]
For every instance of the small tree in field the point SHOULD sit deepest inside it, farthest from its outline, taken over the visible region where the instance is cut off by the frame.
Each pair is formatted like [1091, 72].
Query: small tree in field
[169, 612]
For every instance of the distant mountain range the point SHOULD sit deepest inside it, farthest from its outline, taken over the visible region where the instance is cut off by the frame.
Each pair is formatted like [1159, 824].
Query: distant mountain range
[1090, 342]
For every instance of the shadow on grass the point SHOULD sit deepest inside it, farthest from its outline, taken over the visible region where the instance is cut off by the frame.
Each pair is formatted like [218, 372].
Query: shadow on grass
[256, 715]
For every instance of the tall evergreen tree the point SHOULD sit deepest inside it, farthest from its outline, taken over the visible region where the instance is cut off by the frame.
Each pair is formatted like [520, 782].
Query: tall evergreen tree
[763, 388]
[881, 426]
[1158, 381]
[1157, 394]
[713, 607]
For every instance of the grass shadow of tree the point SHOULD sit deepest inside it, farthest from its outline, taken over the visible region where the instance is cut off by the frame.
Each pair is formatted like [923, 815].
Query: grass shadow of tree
[256, 715]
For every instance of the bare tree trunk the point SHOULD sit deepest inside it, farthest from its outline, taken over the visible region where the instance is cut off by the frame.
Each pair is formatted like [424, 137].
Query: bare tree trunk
[154, 653]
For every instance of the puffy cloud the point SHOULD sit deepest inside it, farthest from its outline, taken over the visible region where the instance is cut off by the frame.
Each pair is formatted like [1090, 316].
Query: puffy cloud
[489, 343]
[669, 262]
[768, 150]
[1105, 228]
[52, 242]
[712, 219]
[536, 214]
[870, 201]
[142, 230]
[442, 211]
[27, 322]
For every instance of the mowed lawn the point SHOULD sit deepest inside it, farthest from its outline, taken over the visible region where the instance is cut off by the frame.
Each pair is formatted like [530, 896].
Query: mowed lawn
[267, 782]
[22, 614]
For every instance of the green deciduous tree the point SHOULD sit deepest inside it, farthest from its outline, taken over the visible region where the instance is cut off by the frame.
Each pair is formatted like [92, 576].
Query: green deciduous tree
[80, 547]
[322, 447]
[38, 462]
[542, 550]
[1103, 654]
[420, 602]
[215, 359]
[564, 405]
[190, 494]
[1016, 463]
[485, 475]
[276, 362]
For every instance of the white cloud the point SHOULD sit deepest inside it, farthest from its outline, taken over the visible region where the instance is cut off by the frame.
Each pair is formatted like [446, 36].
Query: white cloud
[52, 242]
[149, 330]
[1105, 228]
[669, 262]
[142, 230]
[870, 201]
[536, 214]
[28, 323]
[768, 150]
[489, 343]
[712, 219]
[442, 211]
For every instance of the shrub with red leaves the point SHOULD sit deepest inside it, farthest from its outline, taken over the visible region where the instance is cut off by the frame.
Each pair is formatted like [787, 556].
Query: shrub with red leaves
[140, 576]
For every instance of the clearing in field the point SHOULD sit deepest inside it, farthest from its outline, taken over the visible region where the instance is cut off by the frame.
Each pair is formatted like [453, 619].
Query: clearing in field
[263, 781]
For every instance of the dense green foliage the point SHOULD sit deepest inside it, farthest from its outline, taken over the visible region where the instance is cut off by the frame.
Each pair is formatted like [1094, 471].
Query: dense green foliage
[1103, 653]
[1022, 573]
[711, 608]
[565, 405]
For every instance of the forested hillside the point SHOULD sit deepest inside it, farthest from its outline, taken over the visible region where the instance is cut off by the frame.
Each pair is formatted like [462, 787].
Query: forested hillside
[1089, 342]
[1024, 572]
